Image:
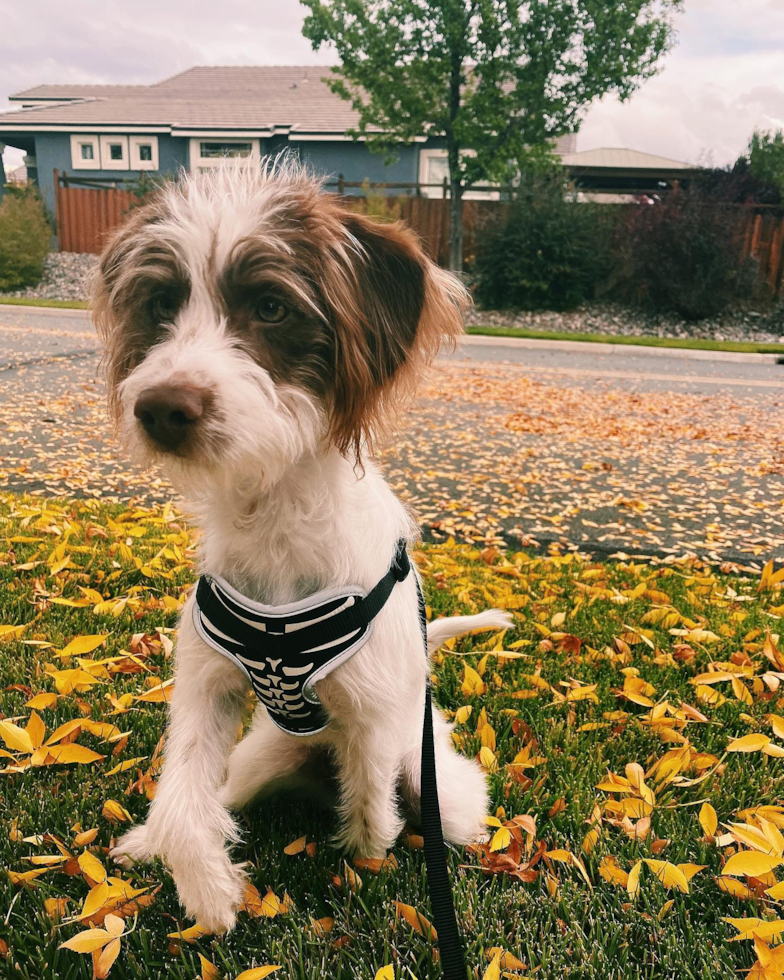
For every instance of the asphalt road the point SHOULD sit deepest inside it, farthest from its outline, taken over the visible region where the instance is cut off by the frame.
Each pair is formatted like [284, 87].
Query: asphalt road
[628, 452]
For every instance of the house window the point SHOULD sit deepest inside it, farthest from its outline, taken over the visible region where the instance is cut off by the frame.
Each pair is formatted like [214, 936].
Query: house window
[144, 152]
[207, 154]
[114, 152]
[85, 153]
[434, 168]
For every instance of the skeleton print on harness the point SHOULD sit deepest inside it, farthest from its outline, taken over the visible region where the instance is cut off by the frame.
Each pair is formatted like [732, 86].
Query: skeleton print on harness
[286, 650]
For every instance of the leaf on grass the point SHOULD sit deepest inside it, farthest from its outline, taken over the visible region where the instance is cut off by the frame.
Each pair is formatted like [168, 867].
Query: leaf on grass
[751, 863]
[507, 961]
[296, 846]
[385, 973]
[493, 972]
[258, 973]
[416, 920]
[748, 743]
[709, 821]
[92, 867]
[115, 812]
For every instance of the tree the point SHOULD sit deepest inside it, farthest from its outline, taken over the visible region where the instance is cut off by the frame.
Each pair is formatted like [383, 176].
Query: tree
[496, 79]
[766, 157]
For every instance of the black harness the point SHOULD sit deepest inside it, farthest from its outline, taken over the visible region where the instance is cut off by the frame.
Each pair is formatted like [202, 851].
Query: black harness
[285, 650]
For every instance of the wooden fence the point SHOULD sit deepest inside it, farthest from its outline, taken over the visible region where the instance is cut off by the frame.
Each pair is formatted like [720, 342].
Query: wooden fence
[87, 210]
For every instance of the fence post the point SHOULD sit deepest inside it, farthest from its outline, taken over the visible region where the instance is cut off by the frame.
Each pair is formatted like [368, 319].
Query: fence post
[341, 185]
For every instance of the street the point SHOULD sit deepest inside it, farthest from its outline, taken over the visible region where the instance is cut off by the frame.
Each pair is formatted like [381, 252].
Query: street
[650, 453]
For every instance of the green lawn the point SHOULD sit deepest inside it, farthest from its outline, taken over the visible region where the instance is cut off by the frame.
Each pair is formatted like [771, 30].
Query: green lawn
[57, 304]
[601, 338]
[600, 677]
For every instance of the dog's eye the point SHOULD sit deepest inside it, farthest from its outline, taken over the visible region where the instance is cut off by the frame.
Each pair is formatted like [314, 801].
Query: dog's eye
[163, 308]
[269, 310]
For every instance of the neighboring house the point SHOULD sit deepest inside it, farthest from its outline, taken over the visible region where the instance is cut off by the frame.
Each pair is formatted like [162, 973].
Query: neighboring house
[205, 118]
[18, 176]
[618, 176]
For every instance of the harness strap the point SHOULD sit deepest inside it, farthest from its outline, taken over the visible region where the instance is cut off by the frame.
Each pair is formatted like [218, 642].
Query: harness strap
[355, 617]
[450, 942]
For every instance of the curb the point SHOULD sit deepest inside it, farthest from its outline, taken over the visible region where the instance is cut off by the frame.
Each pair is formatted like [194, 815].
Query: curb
[622, 350]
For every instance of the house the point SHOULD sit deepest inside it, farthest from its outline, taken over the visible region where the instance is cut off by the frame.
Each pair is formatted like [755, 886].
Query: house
[611, 175]
[205, 118]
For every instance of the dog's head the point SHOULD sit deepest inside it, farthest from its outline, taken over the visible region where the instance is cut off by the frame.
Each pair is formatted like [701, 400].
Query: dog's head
[249, 319]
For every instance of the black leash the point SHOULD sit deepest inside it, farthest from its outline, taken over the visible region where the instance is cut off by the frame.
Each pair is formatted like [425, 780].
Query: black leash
[450, 942]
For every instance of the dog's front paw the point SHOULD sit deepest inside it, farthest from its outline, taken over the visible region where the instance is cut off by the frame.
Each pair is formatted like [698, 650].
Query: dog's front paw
[211, 895]
[133, 848]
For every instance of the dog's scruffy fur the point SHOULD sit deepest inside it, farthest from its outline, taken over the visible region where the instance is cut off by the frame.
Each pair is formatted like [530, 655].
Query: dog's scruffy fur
[292, 328]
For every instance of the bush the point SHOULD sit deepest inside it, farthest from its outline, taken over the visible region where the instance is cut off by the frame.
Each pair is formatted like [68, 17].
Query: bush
[25, 238]
[683, 254]
[546, 252]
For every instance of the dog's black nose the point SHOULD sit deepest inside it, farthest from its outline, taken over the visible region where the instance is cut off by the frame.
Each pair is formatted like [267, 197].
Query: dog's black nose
[169, 413]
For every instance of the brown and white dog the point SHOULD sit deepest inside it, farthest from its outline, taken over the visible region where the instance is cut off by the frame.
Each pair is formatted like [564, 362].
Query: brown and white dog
[258, 336]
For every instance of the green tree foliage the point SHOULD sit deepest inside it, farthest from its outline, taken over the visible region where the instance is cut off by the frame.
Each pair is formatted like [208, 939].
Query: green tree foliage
[493, 78]
[766, 157]
[25, 238]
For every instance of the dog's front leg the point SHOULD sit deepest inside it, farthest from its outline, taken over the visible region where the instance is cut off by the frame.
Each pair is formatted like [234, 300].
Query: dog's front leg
[369, 762]
[187, 825]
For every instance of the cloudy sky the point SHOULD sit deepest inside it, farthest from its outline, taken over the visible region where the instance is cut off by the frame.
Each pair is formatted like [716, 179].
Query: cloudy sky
[724, 78]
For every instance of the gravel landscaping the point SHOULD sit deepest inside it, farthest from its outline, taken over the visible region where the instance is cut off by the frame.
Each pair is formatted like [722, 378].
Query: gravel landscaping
[67, 277]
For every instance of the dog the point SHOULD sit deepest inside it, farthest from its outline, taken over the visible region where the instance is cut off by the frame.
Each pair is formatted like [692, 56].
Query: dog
[259, 338]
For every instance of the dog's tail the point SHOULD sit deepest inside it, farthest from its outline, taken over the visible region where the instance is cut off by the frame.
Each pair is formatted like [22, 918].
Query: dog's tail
[441, 630]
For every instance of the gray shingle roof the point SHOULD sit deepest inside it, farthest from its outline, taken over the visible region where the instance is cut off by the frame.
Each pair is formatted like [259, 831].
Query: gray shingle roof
[254, 98]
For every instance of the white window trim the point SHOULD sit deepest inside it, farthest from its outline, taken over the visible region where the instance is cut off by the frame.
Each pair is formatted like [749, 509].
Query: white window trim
[77, 163]
[198, 162]
[425, 156]
[134, 142]
[106, 160]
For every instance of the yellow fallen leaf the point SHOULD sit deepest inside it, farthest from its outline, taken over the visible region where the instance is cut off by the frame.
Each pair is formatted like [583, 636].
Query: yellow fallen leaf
[751, 927]
[16, 738]
[416, 920]
[70, 754]
[115, 812]
[751, 863]
[87, 941]
[42, 701]
[748, 743]
[296, 846]
[502, 838]
[709, 821]
[92, 867]
[493, 972]
[385, 973]
[208, 970]
[81, 645]
[507, 961]
[258, 974]
[159, 693]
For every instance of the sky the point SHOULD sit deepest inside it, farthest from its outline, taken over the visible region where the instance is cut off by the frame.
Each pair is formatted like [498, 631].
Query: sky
[724, 78]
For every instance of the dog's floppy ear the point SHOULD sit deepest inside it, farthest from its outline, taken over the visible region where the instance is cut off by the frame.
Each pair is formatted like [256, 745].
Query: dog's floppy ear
[393, 309]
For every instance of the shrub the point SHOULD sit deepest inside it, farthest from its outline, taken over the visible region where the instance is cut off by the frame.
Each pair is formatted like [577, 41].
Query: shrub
[546, 252]
[25, 238]
[682, 254]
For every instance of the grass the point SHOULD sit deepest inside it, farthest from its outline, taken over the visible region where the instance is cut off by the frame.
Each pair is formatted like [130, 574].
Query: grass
[578, 625]
[689, 343]
[57, 304]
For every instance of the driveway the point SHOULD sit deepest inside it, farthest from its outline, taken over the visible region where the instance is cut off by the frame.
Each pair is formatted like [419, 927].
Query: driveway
[652, 454]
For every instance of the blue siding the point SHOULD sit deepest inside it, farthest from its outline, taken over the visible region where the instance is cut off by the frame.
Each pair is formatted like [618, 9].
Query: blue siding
[357, 163]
